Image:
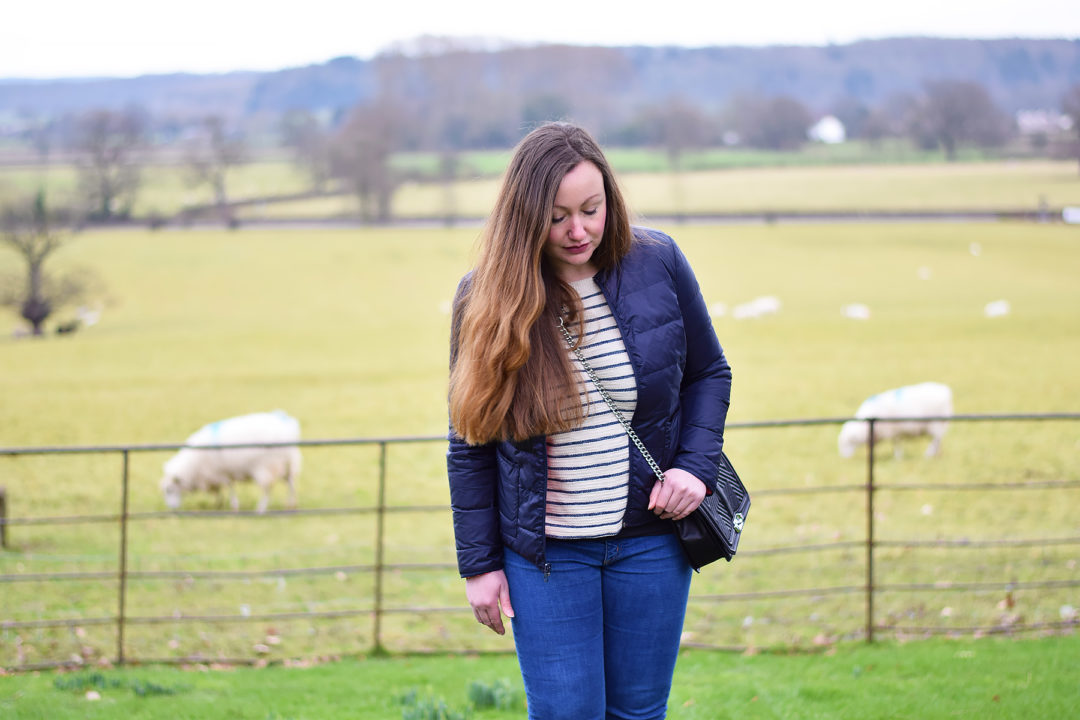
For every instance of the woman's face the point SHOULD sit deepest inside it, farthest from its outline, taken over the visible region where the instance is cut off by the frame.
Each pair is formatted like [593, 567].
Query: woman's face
[577, 222]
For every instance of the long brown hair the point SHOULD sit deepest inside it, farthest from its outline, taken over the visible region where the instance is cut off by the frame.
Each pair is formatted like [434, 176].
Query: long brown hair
[511, 378]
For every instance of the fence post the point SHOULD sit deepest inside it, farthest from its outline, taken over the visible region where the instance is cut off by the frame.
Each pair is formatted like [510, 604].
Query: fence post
[121, 612]
[380, 516]
[3, 517]
[870, 533]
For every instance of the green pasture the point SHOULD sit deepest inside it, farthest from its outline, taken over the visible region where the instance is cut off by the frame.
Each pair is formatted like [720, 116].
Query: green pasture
[711, 183]
[656, 160]
[933, 680]
[852, 188]
[166, 188]
[347, 330]
[962, 186]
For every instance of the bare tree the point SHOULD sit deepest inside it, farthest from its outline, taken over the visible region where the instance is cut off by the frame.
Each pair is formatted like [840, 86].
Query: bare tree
[776, 123]
[362, 152]
[211, 154]
[35, 233]
[309, 141]
[1070, 105]
[854, 114]
[574, 74]
[681, 127]
[455, 112]
[894, 117]
[442, 106]
[108, 144]
[543, 107]
[676, 126]
[431, 91]
[40, 134]
[959, 112]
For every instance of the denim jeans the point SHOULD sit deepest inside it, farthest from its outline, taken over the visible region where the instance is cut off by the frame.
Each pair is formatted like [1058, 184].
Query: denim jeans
[597, 639]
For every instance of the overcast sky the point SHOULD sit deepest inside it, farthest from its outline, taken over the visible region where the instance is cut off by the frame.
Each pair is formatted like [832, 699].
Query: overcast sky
[78, 38]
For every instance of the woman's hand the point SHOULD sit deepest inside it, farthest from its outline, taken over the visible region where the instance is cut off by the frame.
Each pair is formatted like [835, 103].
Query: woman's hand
[678, 496]
[486, 593]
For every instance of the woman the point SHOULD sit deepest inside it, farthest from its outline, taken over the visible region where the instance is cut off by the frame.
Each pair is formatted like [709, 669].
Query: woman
[559, 523]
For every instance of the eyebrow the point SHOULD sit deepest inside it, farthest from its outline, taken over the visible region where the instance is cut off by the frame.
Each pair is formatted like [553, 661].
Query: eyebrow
[597, 196]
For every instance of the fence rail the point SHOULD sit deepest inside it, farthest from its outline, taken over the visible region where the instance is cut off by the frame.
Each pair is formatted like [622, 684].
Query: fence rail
[123, 575]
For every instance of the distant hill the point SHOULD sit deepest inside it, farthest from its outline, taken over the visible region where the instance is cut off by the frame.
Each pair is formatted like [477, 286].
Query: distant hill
[1018, 73]
[162, 95]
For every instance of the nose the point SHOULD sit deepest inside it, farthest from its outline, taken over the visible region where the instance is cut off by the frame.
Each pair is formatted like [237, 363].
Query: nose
[576, 231]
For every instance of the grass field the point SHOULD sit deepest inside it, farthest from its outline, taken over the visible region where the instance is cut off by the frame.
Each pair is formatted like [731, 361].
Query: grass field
[961, 186]
[348, 327]
[347, 330]
[165, 190]
[933, 680]
[712, 183]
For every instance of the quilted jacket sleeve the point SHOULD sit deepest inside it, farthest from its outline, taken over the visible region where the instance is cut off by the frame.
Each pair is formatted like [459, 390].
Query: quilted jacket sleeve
[473, 476]
[705, 392]
[473, 480]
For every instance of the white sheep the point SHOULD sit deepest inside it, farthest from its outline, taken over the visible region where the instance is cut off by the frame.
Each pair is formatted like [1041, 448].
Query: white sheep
[214, 469]
[856, 311]
[759, 306]
[925, 400]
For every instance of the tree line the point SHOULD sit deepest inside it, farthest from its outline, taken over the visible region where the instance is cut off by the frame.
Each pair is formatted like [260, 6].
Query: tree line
[439, 103]
[342, 122]
[438, 108]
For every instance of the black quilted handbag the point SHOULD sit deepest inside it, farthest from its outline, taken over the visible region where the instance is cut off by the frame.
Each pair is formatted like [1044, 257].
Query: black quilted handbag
[713, 530]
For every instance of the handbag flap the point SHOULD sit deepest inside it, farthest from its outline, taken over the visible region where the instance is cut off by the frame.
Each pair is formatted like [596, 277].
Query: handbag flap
[731, 489]
[726, 509]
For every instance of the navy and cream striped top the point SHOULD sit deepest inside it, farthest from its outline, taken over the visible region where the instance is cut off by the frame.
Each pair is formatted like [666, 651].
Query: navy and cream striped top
[588, 467]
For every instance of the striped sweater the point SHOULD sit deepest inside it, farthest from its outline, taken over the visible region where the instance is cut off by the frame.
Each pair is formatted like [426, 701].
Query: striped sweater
[588, 467]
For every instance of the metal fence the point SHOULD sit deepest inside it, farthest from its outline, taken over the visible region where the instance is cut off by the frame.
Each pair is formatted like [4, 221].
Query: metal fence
[870, 546]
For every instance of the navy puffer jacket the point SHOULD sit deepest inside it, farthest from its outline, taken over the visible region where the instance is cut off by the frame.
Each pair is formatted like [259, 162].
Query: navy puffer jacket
[498, 490]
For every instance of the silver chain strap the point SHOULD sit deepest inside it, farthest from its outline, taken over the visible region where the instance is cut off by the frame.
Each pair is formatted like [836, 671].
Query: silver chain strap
[611, 403]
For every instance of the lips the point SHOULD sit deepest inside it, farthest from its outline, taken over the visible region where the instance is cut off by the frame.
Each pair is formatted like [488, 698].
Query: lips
[577, 249]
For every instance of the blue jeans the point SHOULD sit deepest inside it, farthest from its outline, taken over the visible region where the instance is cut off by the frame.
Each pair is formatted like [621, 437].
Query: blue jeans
[598, 638]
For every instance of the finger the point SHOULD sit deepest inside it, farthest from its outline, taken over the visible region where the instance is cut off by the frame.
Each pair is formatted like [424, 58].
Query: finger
[681, 508]
[485, 620]
[675, 506]
[654, 495]
[496, 624]
[504, 602]
[662, 498]
[693, 503]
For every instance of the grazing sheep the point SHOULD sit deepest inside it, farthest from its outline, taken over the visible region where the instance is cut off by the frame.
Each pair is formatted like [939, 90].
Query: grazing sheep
[88, 316]
[856, 311]
[759, 306]
[925, 400]
[214, 469]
